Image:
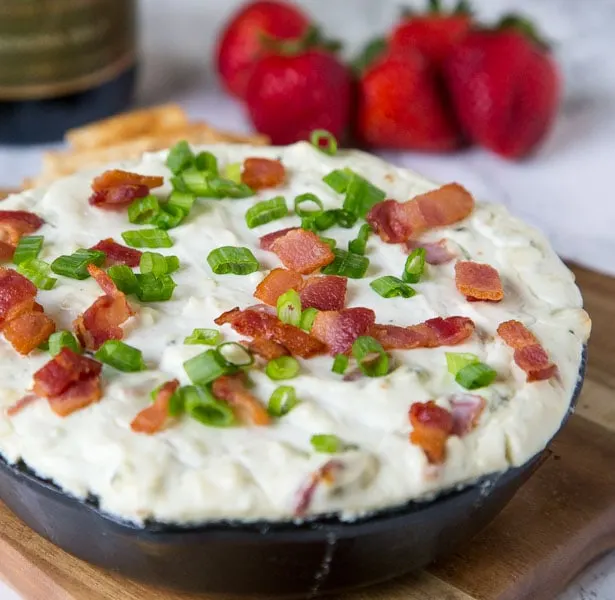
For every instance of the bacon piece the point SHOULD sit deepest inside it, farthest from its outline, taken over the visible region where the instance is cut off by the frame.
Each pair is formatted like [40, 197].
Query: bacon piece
[267, 349]
[64, 369]
[436, 253]
[77, 396]
[431, 427]
[255, 324]
[276, 283]
[118, 197]
[118, 254]
[232, 389]
[339, 329]
[266, 242]
[16, 293]
[16, 223]
[396, 222]
[478, 281]
[529, 355]
[327, 292]
[22, 403]
[6, 251]
[430, 334]
[28, 331]
[302, 251]
[323, 475]
[260, 173]
[116, 177]
[466, 410]
[154, 417]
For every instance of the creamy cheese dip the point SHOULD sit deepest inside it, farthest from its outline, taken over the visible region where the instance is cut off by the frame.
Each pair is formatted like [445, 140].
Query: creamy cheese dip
[192, 473]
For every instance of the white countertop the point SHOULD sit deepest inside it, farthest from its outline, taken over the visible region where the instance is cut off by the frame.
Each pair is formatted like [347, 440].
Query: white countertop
[565, 189]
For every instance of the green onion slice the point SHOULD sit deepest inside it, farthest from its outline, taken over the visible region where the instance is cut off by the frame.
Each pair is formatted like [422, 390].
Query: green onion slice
[361, 195]
[347, 264]
[176, 405]
[206, 337]
[340, 364]
[391, 287]
[455, 361]
[235, 355]
[266, 211]
[121, 356]
[153, 262]
[289, 308]
[415, 265]
[170, 216]
[63, 339]
[359, 244]
[180, 157]
[124, 278]
[324, 141]
[28, 247]
[345, 218]
[307, 319]
[338, 180]
[204, 407]
[232, 259]
[195, 182]
[206, 162]
[283, 367]
[37, 271]
[144, 210]
[373, 360]
[182, 200]
[232, 172]
[207, 366]
[329, 241]
[147, 238]
[225, 188]
[308, 198]
[282, 401]
[475, 375]
[152, 288]
[76, 265]
[327, 443]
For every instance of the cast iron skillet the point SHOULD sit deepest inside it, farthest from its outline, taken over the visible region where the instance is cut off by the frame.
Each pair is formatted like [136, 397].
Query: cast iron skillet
[314, 557]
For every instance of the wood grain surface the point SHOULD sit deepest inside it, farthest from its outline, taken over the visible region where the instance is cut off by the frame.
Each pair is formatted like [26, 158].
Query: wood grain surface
[561, 520]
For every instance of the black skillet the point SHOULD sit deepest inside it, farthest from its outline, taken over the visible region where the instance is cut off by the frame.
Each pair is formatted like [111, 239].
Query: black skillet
[319, 556]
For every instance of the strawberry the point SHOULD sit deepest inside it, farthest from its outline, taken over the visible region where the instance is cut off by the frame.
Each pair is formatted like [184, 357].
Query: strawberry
[244, 39]
[301, 89]
[505, 87]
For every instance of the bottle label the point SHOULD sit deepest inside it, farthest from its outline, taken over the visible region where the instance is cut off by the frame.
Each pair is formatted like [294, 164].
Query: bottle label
[51, 48]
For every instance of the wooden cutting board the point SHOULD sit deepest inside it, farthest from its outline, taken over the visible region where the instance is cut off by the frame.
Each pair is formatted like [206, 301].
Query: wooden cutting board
[560, 521]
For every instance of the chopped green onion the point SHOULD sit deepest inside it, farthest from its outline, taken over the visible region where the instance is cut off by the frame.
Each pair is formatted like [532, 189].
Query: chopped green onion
[324, 141]
[176, 405]
[325, 220]
[28, 247]
[347, 264]
[225, 188]
[172, 263]
[153, 262]
[359, 244]
[205, 367]
[475, 375]
[361, 196]
[180, 157]
[391, 287]
[282, 401]
[206, 337]
[345, 218]
[147, 238]
[309, 224]
[206, 162]
[455, 361]
[152, 288]
[179, 185]
[235, 354]
[340, 364]
[144, 210]
[232, 259]
[306, 199]
[232, 172]
[205, 408]
[415, 265]
[37, 271]
[120, 356]
[373, 360]
[289, 308]
[283, 367]
[307, 319]
[76, 265]
[329, 241]
[182, 200]
[266, 211]
[63, 339]
[170, 216]
[124, 278]
[196, 182]
[338, 180]
[327, 443]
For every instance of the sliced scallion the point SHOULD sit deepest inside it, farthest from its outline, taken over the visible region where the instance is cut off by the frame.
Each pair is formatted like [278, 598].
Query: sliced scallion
[180, 157]
[235, 354]
[455, 361]
[289, 308]
[75, 265]
[147, 238]
[121, 356]
[170, 216]
[347, 264]
[63, 339]
[206, 337]
[204, 407]
[124, 278]
[182, 200]
[232, 172]
[205, 367]
[475, 375]
[359, 244]
[307, 319]
[37, 271]
[225, 188]
[144, 210]
[332, 243]
[340, 364]
[391, 287]
[283, 367]
[327, 443]
[324, 141]
[153, 288]
[369, 353]
[282, 401]
[153, 262]
[232, 259]
[207, 163]
[266, 211]
[28, 247]
[415, 265]
[308, 199]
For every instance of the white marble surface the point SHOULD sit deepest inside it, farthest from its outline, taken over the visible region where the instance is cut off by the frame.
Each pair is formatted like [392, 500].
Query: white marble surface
[565, 189]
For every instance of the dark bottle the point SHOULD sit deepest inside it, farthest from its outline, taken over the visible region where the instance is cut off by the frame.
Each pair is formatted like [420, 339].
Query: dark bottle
[63, 63]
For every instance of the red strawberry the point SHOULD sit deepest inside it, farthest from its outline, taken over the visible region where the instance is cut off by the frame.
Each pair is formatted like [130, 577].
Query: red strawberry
[290, 95]
[505, 87]
[244, 39]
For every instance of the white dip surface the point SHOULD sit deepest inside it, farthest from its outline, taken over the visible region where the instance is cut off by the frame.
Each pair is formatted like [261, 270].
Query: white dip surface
[192, 473]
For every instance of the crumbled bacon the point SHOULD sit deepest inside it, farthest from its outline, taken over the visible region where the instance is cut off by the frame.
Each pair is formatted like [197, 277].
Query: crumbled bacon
[77, 396]
[302, 251]
[430, 334]
[327, 292]
[116, 177]
[339, 329]
[28, 331]
[266, 242]
[436, 253]
[232, 389]
[116, 254]
[260, 173]
[276, 283]
[118, 197]
[431, 427]
[466, 410]
[478, 281]
[101, 321]
[323, 475]
[153, 418]
[6, 251]
[16, 292]
[255, 323]
[396, 222]
[516, 334]
[267, 349]
[16, 223]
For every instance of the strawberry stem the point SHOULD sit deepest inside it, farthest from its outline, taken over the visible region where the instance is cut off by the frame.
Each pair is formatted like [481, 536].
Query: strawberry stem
[312, 38]
[370, 53]
[524, 26]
